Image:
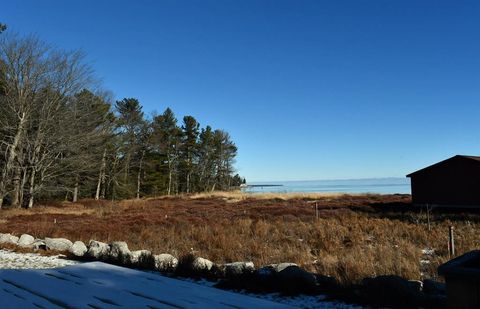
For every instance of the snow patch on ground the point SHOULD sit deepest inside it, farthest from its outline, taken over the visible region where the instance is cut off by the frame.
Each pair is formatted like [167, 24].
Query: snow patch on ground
[428, 251]
[305, 301]
[12, 260]
[54, 281]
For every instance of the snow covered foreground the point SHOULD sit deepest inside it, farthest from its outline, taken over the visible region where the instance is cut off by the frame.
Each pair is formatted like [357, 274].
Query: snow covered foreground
[106, 286]
[100, 285]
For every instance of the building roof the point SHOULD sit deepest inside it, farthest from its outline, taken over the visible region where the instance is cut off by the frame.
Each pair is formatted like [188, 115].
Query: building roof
[462, 157]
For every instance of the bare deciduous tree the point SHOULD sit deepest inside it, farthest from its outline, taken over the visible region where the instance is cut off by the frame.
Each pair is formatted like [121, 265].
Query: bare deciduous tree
[37, 84]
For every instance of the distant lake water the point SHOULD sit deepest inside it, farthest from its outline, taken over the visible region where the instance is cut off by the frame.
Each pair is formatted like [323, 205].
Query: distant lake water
[376, 185]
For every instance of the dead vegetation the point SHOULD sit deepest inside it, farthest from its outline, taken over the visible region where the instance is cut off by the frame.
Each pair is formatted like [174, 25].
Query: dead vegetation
[355, 236]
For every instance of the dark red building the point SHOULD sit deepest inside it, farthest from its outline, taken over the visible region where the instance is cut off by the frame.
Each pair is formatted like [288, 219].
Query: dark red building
[452, 182]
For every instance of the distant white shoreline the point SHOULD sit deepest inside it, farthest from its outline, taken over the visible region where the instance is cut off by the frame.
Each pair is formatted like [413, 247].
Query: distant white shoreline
[327, 180]
[389, 185]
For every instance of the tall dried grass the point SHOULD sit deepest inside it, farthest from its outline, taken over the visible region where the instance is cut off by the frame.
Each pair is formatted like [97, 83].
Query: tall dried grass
[353, 237]
[241, 195]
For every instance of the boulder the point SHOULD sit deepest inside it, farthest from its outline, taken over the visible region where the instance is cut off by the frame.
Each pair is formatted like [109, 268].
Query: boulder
[392, 291]
[293, 279]
[119, 251]
[200, 264]
[26, 240]
[137, 256]
[238, 269]
[143, 259]
[8, 239]
[266, 271]
[165, 262]
[39, 244]
[273, 269]
[78, 249]
[98, 250]
[416, 285]
[328, 283]
[434, 287]
[59, 244]
[279, 267]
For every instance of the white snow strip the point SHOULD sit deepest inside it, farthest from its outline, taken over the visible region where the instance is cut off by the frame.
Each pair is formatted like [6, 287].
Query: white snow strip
[12, 260]
[428, 251]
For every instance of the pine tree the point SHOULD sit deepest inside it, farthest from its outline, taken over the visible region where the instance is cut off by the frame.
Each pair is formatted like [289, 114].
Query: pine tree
[166, 138]
[130, 127]
[188, 151]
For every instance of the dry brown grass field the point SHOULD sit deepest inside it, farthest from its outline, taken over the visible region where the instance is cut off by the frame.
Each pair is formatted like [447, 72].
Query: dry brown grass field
[355, 236]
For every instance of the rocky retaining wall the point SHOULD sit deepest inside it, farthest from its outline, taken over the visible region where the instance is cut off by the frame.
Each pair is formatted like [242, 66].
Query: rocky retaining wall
[286, 278]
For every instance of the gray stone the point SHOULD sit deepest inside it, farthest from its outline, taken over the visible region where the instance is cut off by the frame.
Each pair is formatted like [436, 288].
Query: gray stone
[266, 271]
[273, 269]
[287, 278]
[119, 250]
[282, 266]
[26, 240]
[98, 250]
[293, 279]
[39, 244]
[201, 264]
[8, 239]
[138, 255]
[434, 287]
[416, 285]
[388, 291]
[326, 282]
[238, 268]
[59, 244]
[165, 262]
[78, 249]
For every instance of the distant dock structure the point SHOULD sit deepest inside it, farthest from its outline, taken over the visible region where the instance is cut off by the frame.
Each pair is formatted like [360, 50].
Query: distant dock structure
[247, 187]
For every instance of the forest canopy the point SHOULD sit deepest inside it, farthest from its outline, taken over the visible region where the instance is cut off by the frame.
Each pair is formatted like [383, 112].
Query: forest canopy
[64, 138]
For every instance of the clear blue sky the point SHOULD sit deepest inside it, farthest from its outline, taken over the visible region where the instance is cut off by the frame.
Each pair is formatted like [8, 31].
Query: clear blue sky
[307, 89]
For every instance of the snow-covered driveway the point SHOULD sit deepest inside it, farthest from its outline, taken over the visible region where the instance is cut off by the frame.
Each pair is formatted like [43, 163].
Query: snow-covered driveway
[100, 285]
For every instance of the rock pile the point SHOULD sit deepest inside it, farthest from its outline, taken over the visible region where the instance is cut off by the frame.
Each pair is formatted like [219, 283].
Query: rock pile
[116, 252]
[287, 278]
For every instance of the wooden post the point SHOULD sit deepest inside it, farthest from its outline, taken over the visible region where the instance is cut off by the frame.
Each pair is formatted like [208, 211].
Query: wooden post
[451, 242]
[316, 208]
[428, 217]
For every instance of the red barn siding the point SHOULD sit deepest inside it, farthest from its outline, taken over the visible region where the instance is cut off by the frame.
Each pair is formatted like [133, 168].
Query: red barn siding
[453, 182]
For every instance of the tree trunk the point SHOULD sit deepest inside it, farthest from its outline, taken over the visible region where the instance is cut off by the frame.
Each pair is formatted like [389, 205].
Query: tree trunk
[31, 191]
[188, 182]
[104, 186]
[127, 168]
[169, 176]
[101, 175]
[16, 187]
[139, 174]
[75, 192]
[22, 186]
[169, 180]
[11, 157]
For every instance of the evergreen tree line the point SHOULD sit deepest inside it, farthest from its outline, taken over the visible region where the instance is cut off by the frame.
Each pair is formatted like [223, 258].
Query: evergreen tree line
[61, 137]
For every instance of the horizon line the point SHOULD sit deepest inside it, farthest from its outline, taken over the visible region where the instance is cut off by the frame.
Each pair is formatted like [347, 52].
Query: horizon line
[328, 179]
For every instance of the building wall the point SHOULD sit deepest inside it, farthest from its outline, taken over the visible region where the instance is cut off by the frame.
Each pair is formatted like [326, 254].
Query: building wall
[455, 182]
